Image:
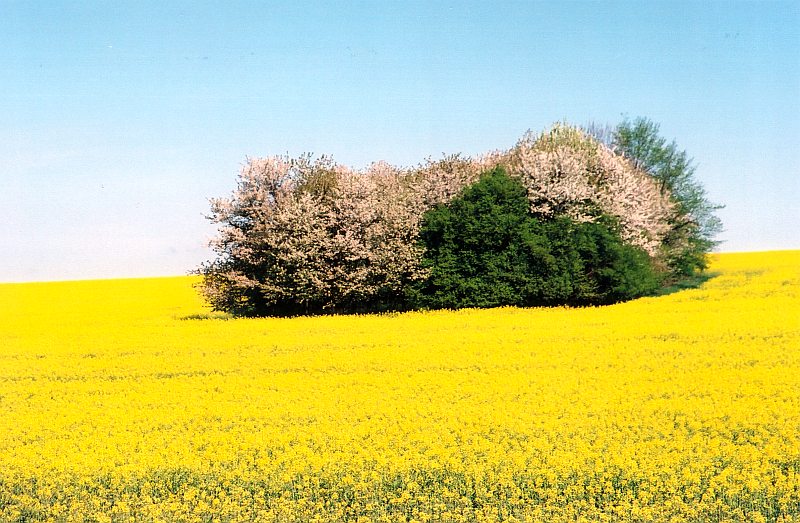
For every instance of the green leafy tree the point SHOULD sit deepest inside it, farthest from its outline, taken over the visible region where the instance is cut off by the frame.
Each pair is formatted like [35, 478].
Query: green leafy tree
[693, 224]
[606, 269]
[486, 249]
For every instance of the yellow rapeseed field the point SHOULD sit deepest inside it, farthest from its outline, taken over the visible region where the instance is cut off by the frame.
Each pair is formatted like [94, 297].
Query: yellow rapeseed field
[126, 400]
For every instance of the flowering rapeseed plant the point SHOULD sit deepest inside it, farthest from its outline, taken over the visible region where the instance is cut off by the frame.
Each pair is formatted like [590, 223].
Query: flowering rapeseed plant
[123, 400]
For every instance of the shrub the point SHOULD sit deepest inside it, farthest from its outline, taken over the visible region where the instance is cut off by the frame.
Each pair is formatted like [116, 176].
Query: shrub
[485, 249]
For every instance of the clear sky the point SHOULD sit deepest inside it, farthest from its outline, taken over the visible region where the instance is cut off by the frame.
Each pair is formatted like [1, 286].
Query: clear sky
[118, 120]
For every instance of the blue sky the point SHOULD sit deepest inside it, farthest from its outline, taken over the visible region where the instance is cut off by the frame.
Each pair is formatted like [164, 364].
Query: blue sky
[118, 120]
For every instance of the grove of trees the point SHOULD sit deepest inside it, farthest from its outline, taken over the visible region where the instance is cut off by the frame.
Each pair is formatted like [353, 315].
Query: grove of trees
[567, 216]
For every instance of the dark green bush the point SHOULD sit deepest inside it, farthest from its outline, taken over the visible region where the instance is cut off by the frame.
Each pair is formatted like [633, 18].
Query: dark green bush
[486, 249]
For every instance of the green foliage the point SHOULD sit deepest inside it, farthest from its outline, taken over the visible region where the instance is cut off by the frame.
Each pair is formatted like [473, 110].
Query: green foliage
[694, 224]
[486, 249]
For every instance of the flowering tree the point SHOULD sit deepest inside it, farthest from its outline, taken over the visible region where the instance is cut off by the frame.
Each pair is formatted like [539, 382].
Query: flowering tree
[299, 235]
[568, 173]
[438, 182]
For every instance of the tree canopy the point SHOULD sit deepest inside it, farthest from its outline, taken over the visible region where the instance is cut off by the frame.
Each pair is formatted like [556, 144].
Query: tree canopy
[486, 248]
[693, 222]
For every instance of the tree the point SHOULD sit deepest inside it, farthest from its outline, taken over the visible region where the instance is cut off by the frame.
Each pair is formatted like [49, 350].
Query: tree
[485, 248]
[303, 235]
[692, 222]
[568, 173]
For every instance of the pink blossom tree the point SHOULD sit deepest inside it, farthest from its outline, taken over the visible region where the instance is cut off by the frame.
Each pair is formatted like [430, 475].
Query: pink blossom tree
[302, 235]
[569, 173]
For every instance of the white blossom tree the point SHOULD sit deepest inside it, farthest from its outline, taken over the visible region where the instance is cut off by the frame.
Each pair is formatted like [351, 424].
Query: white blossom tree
[309, 235]
[569, 173]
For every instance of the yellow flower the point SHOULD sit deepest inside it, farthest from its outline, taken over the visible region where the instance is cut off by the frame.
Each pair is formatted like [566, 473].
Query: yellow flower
[124, 400]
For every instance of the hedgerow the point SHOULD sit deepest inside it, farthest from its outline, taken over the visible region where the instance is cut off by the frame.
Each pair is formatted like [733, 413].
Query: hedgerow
[560, 218]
